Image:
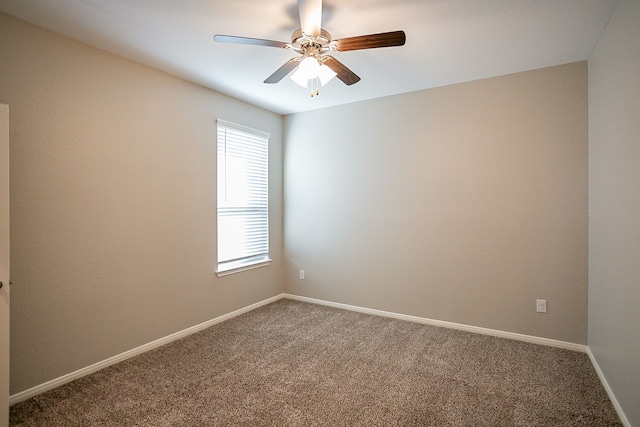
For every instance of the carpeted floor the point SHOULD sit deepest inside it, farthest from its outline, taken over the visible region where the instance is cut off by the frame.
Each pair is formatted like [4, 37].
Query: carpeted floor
[296, 364]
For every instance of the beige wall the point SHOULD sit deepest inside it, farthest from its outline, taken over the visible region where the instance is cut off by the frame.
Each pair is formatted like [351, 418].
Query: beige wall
[463, 203]
[113, 204]
[614, 206]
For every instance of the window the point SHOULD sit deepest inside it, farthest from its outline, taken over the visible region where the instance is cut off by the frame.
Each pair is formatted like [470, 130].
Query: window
[243, 198]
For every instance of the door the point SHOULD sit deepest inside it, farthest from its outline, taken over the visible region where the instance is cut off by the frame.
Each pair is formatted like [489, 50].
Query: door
[4, 265]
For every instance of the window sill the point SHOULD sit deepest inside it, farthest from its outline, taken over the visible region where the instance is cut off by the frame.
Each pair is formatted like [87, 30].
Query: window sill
[237, 268]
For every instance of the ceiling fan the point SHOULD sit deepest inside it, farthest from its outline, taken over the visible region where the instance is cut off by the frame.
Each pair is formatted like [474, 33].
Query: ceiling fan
[315, 66]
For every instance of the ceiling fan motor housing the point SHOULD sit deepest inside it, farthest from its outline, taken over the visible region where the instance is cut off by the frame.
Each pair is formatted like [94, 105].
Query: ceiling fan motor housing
[311, 45]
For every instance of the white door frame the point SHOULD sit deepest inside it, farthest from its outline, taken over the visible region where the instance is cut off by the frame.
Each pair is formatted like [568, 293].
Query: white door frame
[4, 265]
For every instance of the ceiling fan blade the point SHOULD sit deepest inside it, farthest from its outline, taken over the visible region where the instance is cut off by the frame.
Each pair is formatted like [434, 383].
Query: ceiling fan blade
[248, 40]
[347, 76]
[279, 74]
[371, 41]
[310, 12]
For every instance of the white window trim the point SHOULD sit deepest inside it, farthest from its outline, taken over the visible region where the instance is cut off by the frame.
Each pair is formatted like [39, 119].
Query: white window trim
[244, 264]
[232, 268]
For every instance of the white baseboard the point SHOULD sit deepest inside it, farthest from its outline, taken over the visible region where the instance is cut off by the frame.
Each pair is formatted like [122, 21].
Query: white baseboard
[49, 385]
[623, 418]
[441, 323]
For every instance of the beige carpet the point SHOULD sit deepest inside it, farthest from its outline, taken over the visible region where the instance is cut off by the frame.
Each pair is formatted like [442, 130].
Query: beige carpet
[297, 364]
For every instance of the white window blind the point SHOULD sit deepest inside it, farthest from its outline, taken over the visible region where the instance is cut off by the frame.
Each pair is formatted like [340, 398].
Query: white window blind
[243, 197]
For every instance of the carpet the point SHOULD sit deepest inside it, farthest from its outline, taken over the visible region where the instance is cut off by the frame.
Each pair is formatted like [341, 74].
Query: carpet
[291, 363]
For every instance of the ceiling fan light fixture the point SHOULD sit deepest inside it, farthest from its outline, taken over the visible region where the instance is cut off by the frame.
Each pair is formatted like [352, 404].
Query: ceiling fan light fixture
[310, 69]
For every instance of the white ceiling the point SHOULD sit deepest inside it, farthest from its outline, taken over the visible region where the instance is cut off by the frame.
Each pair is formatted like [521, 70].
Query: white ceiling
[448, 41]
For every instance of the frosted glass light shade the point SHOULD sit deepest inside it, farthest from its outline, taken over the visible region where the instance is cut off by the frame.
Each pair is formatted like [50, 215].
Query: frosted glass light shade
[325, 74]
[299, 78]
[310, 68]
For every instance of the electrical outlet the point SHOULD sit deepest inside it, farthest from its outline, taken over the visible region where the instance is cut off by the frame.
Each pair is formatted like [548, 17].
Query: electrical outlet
[301, 274]
[541, 305]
